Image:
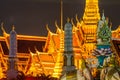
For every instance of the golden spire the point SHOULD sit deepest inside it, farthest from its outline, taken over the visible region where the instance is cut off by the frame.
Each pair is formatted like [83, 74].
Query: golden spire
[61, 14]
[90, 19]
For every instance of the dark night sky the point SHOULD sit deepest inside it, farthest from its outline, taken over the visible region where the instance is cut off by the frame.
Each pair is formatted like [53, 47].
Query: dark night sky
[31, 16]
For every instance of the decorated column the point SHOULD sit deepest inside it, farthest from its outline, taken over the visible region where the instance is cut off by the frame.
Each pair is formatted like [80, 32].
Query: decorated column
[12, 67]
[69, 71]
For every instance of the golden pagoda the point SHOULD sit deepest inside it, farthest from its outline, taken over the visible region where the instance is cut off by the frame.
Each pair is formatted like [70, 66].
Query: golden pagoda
[38, 54]
[90, 20]
[89, 23]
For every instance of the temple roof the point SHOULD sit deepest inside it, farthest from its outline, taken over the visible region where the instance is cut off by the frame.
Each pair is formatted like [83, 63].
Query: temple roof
[24, 43]
[116, 33]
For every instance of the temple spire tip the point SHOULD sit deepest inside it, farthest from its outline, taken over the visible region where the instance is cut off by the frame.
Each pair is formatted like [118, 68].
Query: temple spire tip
[2, 28]
[72, 22]
[13, 28]
[47, 27]
[76, 17]
[56, 24]
[103, 15]
[68, 19]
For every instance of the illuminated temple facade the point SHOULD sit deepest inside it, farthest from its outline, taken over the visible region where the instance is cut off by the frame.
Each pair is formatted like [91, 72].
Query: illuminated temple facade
[38, 54]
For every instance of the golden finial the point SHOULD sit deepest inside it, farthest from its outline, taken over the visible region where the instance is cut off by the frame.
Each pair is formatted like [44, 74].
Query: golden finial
[2, 27]
[29, 50]
[68, 19]
[31, 54]
[72, 22]
[47, 27]
[77, 18]
[56, 24]
[35, 48]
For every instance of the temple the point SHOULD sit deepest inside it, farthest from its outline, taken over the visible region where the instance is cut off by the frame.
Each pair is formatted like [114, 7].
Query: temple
[39, 54]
